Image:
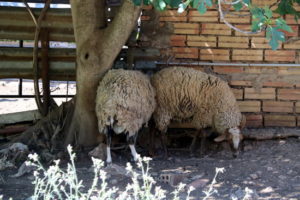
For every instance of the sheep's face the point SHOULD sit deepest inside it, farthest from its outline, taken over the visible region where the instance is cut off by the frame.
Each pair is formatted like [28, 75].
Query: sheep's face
[233, 136]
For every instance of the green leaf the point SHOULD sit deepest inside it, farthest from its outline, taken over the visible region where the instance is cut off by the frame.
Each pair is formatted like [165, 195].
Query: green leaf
[175, 3]
[247, 2]
[146, 2]
[281, 24]
[202, 8]
[268, 12]
[159, 5]
[209, 3]
[256, 25]
[137, 2]
[274, 36]
[196, 3]
[238, 6]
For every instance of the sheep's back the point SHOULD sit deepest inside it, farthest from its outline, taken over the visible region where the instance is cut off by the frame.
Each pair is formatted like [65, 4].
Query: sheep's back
[127, 96]
[187, 94]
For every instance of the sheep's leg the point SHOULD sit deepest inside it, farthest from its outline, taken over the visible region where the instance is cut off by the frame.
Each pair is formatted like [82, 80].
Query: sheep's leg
[152, 139]
[131, 138]
[204, 135]
[108, 145]
[164, 143]
[194, 142]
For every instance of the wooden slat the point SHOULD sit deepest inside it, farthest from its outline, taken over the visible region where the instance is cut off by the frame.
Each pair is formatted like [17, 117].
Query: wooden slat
[25, 54]
[16, 23]
[39, 1]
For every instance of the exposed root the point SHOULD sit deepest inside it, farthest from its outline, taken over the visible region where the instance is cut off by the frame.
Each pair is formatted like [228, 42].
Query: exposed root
[47, 135]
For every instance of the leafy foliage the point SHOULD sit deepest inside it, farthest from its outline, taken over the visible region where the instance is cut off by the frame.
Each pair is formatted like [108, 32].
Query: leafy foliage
[263, 18]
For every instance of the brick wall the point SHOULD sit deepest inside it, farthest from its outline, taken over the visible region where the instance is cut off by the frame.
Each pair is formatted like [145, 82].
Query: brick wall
[268, 96]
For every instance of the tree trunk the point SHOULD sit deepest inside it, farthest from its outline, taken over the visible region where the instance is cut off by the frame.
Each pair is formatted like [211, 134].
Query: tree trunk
[97, 47]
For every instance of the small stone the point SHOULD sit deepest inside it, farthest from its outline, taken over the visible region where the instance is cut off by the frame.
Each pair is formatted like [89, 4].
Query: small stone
[282, 177]
[290, 172]
[270, 168]
[197, 176]
[114, 181]
[267, 190]
[199, 183]
[259, 173]
[282, 142]
[254, 176]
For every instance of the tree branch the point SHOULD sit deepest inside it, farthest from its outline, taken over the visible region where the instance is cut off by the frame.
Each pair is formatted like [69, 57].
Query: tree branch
[88, 16]
[118, 32]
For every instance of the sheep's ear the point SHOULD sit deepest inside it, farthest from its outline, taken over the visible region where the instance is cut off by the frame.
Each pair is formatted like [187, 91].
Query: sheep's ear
[243, 122]
[220, 138]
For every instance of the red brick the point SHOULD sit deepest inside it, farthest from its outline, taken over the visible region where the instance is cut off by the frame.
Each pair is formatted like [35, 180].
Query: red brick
[288, 71]
[277, 84]
[247, 55]
[178, 37]
[186, 31]
[186, 28]
[261, 43]
[177, 43]
[280, 55]
[292, 45]
[238, 93]
[277, 106]
[263, 3]
[289, 94]
[249, 106]
[202, 41]
[235, 19]
[214, 54]
[228, 69]
[215, 29]
[173, 19]
[209, 16]
[290, 19]
[264, 93]
[246, 27]
[233, 42]
[181, 52]
[292, 34]
[280, 120]
[240, 83]
[254, 120]
[297, 107]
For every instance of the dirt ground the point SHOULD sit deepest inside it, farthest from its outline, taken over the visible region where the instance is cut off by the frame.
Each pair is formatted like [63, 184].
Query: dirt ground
[270, 168]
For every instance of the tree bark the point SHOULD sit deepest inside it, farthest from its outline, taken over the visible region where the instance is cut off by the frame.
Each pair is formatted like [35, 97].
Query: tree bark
[97, 47]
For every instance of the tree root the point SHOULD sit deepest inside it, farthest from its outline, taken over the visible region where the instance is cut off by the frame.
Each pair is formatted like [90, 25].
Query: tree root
[48, 134]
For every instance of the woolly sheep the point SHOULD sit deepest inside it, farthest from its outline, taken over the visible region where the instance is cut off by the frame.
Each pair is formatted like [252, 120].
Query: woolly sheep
[125, 101]
[199, 99]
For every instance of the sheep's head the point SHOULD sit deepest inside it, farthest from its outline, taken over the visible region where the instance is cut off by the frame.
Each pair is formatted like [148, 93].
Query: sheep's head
[233, 135]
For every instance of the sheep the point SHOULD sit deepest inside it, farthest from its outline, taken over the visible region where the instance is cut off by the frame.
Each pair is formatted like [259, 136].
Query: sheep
[199, 99]
[125, 101]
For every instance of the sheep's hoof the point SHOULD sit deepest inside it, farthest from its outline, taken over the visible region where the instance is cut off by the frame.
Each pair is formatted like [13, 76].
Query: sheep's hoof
[108, 164]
